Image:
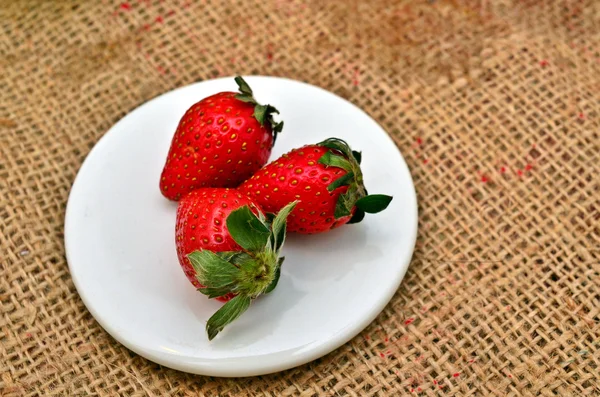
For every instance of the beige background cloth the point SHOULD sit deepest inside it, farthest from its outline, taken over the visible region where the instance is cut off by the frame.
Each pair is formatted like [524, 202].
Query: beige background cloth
[494, 104]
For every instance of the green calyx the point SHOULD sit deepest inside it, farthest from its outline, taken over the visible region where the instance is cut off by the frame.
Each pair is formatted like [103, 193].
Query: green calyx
[262, 113]
[248, 273]
[342, 156]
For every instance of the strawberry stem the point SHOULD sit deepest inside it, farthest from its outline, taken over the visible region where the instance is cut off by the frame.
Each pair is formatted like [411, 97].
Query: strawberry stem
[262, 113]
[356, 197]
[248, 273]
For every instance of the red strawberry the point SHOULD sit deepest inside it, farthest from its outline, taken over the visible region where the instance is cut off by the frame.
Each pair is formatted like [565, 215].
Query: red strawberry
[228, 249]
[327, 181]
[219, 142]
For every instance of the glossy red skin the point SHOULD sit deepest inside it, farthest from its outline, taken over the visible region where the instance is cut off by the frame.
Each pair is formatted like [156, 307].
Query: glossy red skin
[201, 217]
[218, 143]
[297, 175]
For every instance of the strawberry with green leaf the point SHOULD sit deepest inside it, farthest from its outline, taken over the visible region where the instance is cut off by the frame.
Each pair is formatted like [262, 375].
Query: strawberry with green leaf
[325, 178]
[219, 142]
[229, 249]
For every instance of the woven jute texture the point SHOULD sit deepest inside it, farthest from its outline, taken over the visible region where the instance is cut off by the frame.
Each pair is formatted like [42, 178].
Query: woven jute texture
[494, 104]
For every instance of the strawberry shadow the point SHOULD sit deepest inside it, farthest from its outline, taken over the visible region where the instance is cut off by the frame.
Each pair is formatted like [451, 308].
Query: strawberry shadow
[329, 255]
[262, 318]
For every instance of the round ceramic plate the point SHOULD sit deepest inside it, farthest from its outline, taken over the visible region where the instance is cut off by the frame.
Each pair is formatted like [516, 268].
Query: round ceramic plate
[120, 244]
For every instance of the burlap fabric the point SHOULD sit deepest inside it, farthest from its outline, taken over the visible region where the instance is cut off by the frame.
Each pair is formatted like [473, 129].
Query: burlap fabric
[494, 104]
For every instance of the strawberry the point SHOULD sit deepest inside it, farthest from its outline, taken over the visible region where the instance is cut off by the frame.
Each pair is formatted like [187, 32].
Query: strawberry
[219, 142]
[327, 181]
[228, 249]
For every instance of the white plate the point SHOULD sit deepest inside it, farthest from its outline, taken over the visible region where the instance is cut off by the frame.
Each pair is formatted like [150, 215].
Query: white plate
[119, 239]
